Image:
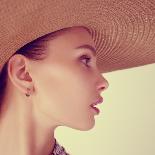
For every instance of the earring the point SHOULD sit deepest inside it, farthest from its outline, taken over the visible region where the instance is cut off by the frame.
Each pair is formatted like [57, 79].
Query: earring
[27, 93]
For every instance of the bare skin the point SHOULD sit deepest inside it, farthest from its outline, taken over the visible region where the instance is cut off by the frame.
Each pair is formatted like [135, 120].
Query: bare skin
[62, 89]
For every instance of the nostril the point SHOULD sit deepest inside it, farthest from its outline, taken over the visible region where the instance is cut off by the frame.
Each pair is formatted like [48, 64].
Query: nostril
[102, 88]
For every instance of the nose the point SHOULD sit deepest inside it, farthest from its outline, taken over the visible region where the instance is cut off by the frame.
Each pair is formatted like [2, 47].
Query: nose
[103, 84]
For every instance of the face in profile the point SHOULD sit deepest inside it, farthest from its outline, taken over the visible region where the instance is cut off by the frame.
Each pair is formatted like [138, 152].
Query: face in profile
[68, 81]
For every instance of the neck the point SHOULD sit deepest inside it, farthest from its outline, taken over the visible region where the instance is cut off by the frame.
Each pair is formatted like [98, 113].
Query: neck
[22, 131]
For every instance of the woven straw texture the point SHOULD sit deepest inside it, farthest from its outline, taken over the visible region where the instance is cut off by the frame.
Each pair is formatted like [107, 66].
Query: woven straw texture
[123, 30]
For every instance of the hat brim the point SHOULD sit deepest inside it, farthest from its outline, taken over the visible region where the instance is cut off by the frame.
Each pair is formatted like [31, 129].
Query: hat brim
[123, 31]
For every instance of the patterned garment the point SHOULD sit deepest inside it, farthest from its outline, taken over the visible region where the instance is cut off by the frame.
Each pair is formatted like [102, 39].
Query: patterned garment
[58, 149]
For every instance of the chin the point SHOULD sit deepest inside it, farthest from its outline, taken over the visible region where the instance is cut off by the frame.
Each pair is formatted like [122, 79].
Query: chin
[84, 127]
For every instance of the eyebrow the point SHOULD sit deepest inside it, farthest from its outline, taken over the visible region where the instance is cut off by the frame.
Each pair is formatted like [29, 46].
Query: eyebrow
[87, 46]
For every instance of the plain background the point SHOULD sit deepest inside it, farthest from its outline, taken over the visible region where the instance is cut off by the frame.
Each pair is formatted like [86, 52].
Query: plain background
[126, 123]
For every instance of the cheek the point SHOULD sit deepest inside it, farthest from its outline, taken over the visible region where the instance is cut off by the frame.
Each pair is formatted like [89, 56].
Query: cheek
[63, 94]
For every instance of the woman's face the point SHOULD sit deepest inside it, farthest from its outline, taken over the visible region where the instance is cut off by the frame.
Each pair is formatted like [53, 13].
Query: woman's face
[65, 83]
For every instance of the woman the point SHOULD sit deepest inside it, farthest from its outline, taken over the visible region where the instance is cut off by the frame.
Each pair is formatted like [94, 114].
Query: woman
[51, 84]
[45, 81]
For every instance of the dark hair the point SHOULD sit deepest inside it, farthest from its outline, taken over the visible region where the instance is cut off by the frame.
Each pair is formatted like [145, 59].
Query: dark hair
[34, 50]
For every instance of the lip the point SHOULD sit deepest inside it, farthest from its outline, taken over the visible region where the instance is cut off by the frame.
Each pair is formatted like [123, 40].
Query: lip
[98, 101]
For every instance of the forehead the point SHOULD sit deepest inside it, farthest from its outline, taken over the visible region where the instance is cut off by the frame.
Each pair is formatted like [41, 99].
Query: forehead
[78, 37]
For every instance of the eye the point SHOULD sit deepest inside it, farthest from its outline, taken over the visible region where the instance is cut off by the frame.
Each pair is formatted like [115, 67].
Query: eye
[87, 58]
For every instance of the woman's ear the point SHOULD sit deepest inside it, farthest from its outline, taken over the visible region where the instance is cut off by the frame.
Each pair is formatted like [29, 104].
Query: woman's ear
[18, 72]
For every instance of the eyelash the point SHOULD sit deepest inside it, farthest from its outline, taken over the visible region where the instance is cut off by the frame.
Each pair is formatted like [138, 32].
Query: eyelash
[86, 57]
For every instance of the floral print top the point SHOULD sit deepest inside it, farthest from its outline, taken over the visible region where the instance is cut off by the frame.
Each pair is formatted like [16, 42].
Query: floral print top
[58, 149]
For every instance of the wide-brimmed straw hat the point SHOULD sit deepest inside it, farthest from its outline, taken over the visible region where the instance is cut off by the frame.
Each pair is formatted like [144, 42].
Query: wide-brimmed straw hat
[123, 30]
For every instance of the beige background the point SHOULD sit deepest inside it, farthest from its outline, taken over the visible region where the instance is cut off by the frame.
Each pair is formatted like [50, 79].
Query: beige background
[126, 124]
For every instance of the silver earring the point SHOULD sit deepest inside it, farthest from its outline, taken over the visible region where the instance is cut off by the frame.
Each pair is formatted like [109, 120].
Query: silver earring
[27, 93]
